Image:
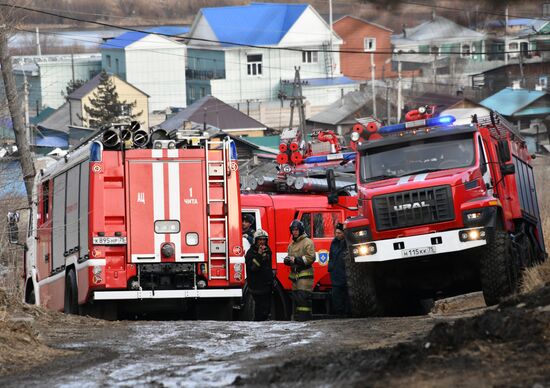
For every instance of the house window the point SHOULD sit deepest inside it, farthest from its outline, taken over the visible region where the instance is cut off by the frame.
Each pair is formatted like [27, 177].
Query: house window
[543, 82]
[116, 65]
[192, 93]
[310, 56]
[125, 110]
[465, 50]
[254, 64]
[434, 50]
[108, 61]
[370, 44]
[203, 92]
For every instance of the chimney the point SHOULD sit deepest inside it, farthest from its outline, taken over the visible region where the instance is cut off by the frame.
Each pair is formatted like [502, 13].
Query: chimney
[516, 85]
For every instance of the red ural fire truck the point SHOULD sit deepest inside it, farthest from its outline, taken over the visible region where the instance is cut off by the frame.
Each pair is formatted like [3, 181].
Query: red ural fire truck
[443, 209]
[159, 223]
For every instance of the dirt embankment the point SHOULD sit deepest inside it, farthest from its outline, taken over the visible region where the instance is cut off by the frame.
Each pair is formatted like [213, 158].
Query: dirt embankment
[506, 346]
[21, 343]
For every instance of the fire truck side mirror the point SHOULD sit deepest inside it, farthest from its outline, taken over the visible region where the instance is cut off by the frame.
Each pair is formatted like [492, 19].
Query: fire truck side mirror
[13, 229]
[508, 169]
[504, 151]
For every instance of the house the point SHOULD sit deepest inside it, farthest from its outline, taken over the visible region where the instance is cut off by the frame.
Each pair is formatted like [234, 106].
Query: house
[436, 40]
[47, 76]
[126, 92]
[441, 101]
[493, 80]
[152, 61]
[527, 108]
[245, 53]
[521, 36]
[211, 111]
[362, 37]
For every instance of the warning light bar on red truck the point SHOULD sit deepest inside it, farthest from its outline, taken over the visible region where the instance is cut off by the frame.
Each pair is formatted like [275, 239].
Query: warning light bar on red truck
[431, 122]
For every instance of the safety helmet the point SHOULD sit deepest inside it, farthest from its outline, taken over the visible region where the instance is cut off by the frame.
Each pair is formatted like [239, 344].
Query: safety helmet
[297, 224]
[260, 233]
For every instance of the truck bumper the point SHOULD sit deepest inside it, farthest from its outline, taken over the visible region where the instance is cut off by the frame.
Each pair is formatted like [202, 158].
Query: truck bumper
[421, 245]
[168, 294]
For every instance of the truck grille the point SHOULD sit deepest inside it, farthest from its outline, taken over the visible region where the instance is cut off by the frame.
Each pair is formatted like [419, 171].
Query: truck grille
[414, 207]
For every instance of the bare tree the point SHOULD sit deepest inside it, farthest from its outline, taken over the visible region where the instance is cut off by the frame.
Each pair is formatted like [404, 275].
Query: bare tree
[10, 17]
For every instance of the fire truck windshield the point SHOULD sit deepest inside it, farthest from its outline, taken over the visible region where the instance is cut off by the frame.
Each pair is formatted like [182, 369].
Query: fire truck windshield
[416, 157]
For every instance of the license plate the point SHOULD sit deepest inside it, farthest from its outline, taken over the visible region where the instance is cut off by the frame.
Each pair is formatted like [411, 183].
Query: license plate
[109, 240]
[418, 252]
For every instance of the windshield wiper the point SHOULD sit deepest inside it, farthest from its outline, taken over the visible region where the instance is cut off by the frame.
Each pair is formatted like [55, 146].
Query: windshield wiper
[379, 178]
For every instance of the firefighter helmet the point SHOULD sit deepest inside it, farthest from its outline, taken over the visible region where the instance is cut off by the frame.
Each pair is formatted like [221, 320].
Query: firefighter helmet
[260, 233]
[297, 224]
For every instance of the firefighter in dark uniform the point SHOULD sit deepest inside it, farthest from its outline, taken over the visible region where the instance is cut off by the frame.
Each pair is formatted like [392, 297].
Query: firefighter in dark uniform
[248, 231]
[260, 275]
[337, 270]
[301, 255]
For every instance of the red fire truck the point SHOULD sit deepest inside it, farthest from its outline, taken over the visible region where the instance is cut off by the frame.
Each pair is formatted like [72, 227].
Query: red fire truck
[154, 224]
[273, 213]
[443, 210]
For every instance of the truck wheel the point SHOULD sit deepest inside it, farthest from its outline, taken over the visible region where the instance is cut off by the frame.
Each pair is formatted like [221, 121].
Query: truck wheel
[363, 298]
[499, 269]
[71, 294]
[247, 311]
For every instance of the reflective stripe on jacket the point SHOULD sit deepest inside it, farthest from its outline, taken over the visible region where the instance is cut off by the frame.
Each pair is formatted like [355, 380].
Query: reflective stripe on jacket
[302, 247]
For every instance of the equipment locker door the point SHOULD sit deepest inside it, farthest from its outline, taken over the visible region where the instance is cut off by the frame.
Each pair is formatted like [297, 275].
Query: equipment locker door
[166, 191]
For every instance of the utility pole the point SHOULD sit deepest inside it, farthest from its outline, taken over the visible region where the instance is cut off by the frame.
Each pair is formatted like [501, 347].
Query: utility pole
[372, 72]
[14, 105]
[330, 38]
[38, 48]
[506, 35]
[399, 91]
[26, 105]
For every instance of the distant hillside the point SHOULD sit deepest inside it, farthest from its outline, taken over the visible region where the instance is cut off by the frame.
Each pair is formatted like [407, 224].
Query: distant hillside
[391, 13]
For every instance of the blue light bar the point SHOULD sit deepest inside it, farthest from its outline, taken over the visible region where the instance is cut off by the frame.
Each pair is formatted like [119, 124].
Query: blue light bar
[434, 121]
[96, 151]
[330, 157]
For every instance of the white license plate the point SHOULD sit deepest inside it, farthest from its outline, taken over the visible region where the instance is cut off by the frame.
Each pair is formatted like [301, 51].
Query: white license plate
[109, 240]
[418, 252]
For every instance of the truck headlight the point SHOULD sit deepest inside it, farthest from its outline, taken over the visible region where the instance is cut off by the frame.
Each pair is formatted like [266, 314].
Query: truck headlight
[472, 235]
[365, 249]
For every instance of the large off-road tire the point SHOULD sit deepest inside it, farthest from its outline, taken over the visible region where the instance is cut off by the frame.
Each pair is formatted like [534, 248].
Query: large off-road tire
[71, 293]
[499, 268]
[363, 298]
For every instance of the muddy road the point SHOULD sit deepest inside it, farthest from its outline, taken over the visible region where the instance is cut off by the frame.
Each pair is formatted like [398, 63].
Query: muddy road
[332, 352]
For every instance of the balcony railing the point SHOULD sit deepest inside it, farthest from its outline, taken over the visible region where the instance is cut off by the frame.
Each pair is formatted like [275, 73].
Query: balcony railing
[204, 74]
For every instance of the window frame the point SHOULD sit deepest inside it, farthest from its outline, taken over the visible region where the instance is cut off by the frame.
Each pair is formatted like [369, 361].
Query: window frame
[254, 68]
[370, 39]
[310, 56]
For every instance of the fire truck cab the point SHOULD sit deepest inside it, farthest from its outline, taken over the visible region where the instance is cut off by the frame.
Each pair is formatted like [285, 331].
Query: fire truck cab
[274, 213]
[443, 210]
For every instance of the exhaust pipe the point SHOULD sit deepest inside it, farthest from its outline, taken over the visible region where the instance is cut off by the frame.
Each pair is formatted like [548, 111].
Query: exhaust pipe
[110, 139]
[140, 138]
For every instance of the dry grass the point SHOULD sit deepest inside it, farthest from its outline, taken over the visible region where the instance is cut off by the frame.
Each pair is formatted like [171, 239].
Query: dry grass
[539, 275]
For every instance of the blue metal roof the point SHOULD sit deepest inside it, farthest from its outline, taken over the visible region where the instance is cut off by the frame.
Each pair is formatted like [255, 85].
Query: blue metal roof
[130, 37]
[509, 101]
[253, 24]
[328, 81]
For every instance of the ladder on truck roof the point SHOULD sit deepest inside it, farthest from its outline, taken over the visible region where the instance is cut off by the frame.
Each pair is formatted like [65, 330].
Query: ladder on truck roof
[216, 208]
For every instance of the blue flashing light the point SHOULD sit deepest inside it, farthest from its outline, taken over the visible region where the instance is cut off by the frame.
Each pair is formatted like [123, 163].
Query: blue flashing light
[392, 128]
[233, 148]
[330, 158]
[442, 120]
[96, 151]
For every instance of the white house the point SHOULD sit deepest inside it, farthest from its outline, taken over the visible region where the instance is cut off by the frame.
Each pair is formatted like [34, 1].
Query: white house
[152, 62]
[248, 53]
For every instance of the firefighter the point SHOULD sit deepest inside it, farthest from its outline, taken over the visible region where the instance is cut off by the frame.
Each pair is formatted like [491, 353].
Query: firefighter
[260, 275]
[248, 231]
[337, 270]
[301, 255]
